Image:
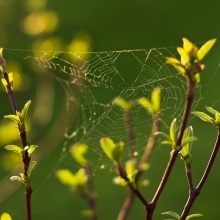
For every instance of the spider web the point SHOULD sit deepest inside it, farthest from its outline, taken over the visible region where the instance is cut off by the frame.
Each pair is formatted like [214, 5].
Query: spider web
[93, 81]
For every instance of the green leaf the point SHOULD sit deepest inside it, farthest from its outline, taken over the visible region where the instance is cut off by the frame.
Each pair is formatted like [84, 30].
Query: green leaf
[13, 118]
[87, 213]
[31, 149]
[167, 143]
[14, 148]
[193, 216]
[119, 181]
[31, 168]
[116, 153]
[112, 150]
[171, 60]
[172, 214]
[25, 180]
[24, 112]
[126, 105]
[205, 48]
[211, 110]
[131, 170]
[155, 98]
[173, 131]
[183, 55]
[187, 45]
[66, 177]
[79, 152]
[145, 103]
[162, 133]
[10, 77]
[20, 179]
[179, 68]
[107, 146]
[203, 116]
[5, 216]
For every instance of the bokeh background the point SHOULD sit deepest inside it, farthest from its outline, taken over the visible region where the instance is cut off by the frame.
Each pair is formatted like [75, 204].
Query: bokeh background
[71, 26]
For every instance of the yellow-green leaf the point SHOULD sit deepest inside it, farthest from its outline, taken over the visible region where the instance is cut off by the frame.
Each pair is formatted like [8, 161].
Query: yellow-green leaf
[24, 112]
[203, 116]
[145, 103]
[126, 105]
[79, 152]
[5, 216]
[14, 118]
[171, 60]
[211, 110]
[155, 97]
[172, 214]
[193, 216]
[183, 55]
[205, 48]
[14, 148]
[173, 131]
[30, 168]
[66, 177]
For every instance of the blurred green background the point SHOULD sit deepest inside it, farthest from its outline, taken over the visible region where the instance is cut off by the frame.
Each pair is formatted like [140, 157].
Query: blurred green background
[71, 26]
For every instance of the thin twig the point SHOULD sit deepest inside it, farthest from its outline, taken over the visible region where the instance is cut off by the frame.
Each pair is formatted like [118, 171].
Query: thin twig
[26, 158]
[92, 193]
[196, 191]
[189, 99]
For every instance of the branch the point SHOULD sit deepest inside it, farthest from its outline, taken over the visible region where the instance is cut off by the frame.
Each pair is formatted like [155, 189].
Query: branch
[189, 99]
[196, 191]
[26, 158]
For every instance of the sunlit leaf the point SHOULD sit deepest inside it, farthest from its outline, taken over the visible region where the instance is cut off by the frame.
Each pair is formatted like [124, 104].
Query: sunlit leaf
[14, 148]
[193, 216]
[31, 149]
[5, 216]
[171, 60]
[31, 168]
[145, 103]
[79, 152]
[66, 177]
[155, 98]
[24, 111]
[173, 131]
[183, 55]
[187, 45]
[203, 116]
[172, 214]
[107, 146]
[116, 153]
[205, 48]
[211, 110]
[14, 118]
[126, 105]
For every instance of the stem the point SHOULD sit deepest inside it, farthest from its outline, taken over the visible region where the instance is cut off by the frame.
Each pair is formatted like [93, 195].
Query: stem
[123, 175]
[126, 206]
[189, 175]
[26, 158]
[189, 99]
[196, 191]
[92, 194]
[130, 131]
[156, 124]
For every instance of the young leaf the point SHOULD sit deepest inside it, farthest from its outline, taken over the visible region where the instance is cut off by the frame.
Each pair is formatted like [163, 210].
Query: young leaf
[155, 98]
[211, 110]
[126, 105]
[5, 216]
[183, 55]
[116, 153]
[14, 148]
[172, 214]
[20, 179]
[173, 131]
[30, 168]
[25, 180]
[145, 103]
[79, 152]
[31, 149]
[171, 60]
[203, 116]
[24, 112]
[205, 48]
[66, 177]
[112, 150]
[193, 216]
[107, 146]
[13, 118]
